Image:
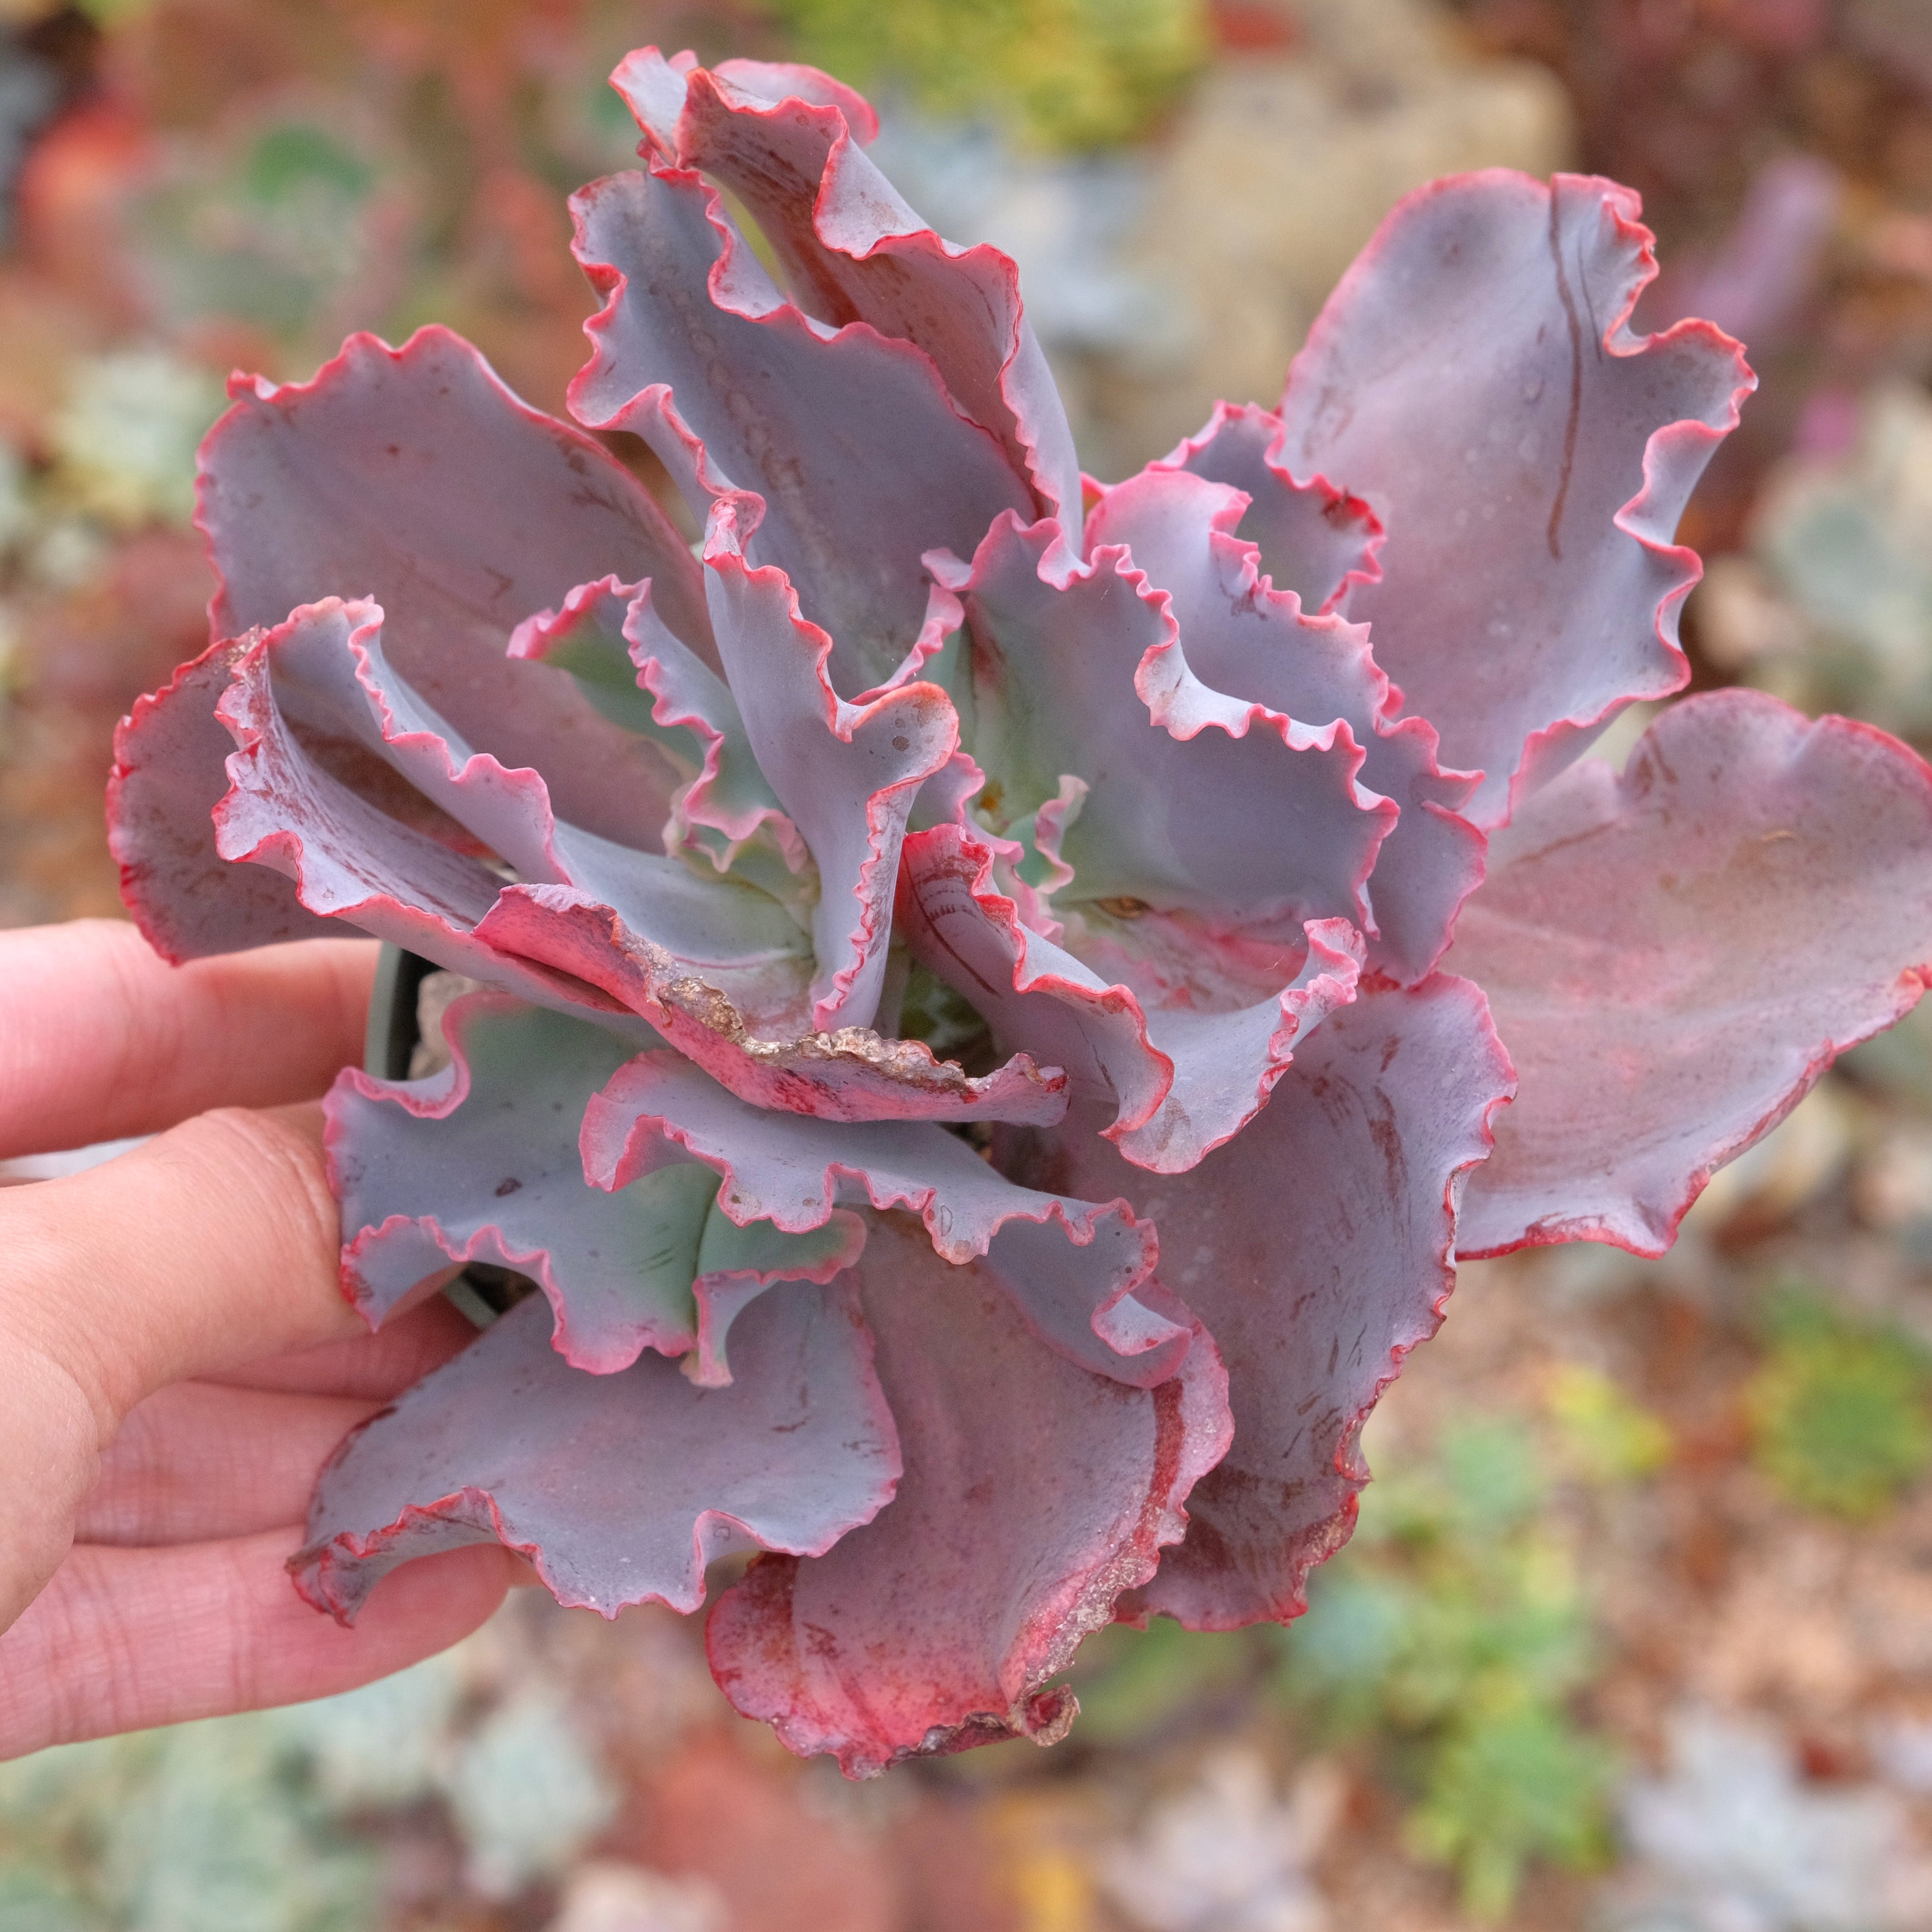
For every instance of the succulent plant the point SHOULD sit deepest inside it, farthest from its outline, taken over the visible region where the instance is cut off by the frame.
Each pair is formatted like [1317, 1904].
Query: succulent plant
[1157, 805]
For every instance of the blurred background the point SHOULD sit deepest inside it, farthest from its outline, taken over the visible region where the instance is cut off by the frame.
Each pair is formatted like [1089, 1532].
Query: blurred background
[1636, 1632]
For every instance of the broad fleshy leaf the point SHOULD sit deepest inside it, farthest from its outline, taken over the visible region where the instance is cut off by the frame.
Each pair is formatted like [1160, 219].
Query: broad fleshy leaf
[1317, 1247]
[862, 459]
[710, 964]
[1074, 1270]
[1034, 1493]
[1195, 800]
[1177, 1080]
[1475, 378]
[846, 774]
[736, 1265]
[619, 1488]
[1253, 642]
[787, 144]
[418, 885]
[480, 1163]
[1676, 954]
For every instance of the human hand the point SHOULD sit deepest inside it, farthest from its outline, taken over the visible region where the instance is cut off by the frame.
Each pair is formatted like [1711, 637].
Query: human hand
[179, 1356]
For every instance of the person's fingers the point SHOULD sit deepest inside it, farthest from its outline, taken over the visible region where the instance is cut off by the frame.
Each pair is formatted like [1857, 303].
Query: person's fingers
[124, 1639]
[195, 1463]
[105, 1040]
[228, 1457]
[210, 1246]
[377, 1367]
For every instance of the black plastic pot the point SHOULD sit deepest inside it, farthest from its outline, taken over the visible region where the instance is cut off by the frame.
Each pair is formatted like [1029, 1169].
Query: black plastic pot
[392, 1034]
[482, 1292]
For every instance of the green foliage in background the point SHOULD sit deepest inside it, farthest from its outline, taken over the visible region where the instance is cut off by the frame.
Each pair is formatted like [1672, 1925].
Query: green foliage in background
[115, 13]
[1447, 1643]
[1132, 1683]
[1604, 1436]
[1064, 74]
[1452, 1633]
[1506, 1787]
[1839, 1410]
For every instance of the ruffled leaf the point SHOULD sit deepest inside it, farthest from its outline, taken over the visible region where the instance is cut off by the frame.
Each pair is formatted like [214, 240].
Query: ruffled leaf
[785, 144]
[709, 965]
[654, 88]
[1314, 539]
[167, 779]
[861, 458]
[643, 678]
[1474, 376]
[715, 966]
[1675, 954]
[480, 1163]
[609, 931]
[1196, 800]
[418, 885]
[1317, 1247]
[1075, 1271]
[1243, 637]
[1177, 1080]
[853, 1074]
[736, 1265]
[1033, 1494]
[413, 477]
[636, 669]
[848, 774]
[619, 1488]
[315, 698]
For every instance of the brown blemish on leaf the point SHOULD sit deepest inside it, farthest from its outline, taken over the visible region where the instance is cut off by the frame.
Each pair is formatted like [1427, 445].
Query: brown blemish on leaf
[1570, 427]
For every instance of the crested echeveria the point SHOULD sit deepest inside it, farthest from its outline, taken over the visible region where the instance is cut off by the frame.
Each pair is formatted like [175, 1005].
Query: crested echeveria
[1180, 786]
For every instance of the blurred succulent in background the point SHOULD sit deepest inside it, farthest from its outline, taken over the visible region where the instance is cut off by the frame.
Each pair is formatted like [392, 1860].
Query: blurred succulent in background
[1155, 805]
[295, 225]
[213, 1825]
[30, 92]
[1228, 1855]
[526, 1794]
[242, 1824]
[1731, 1839]
[1833, 605]
[606, 1897]
[124, 442]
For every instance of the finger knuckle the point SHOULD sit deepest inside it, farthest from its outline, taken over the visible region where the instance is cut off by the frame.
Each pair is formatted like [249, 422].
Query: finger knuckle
[281, 1169]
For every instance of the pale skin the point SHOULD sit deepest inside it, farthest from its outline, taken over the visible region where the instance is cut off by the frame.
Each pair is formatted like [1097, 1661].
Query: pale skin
[177, 1357]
